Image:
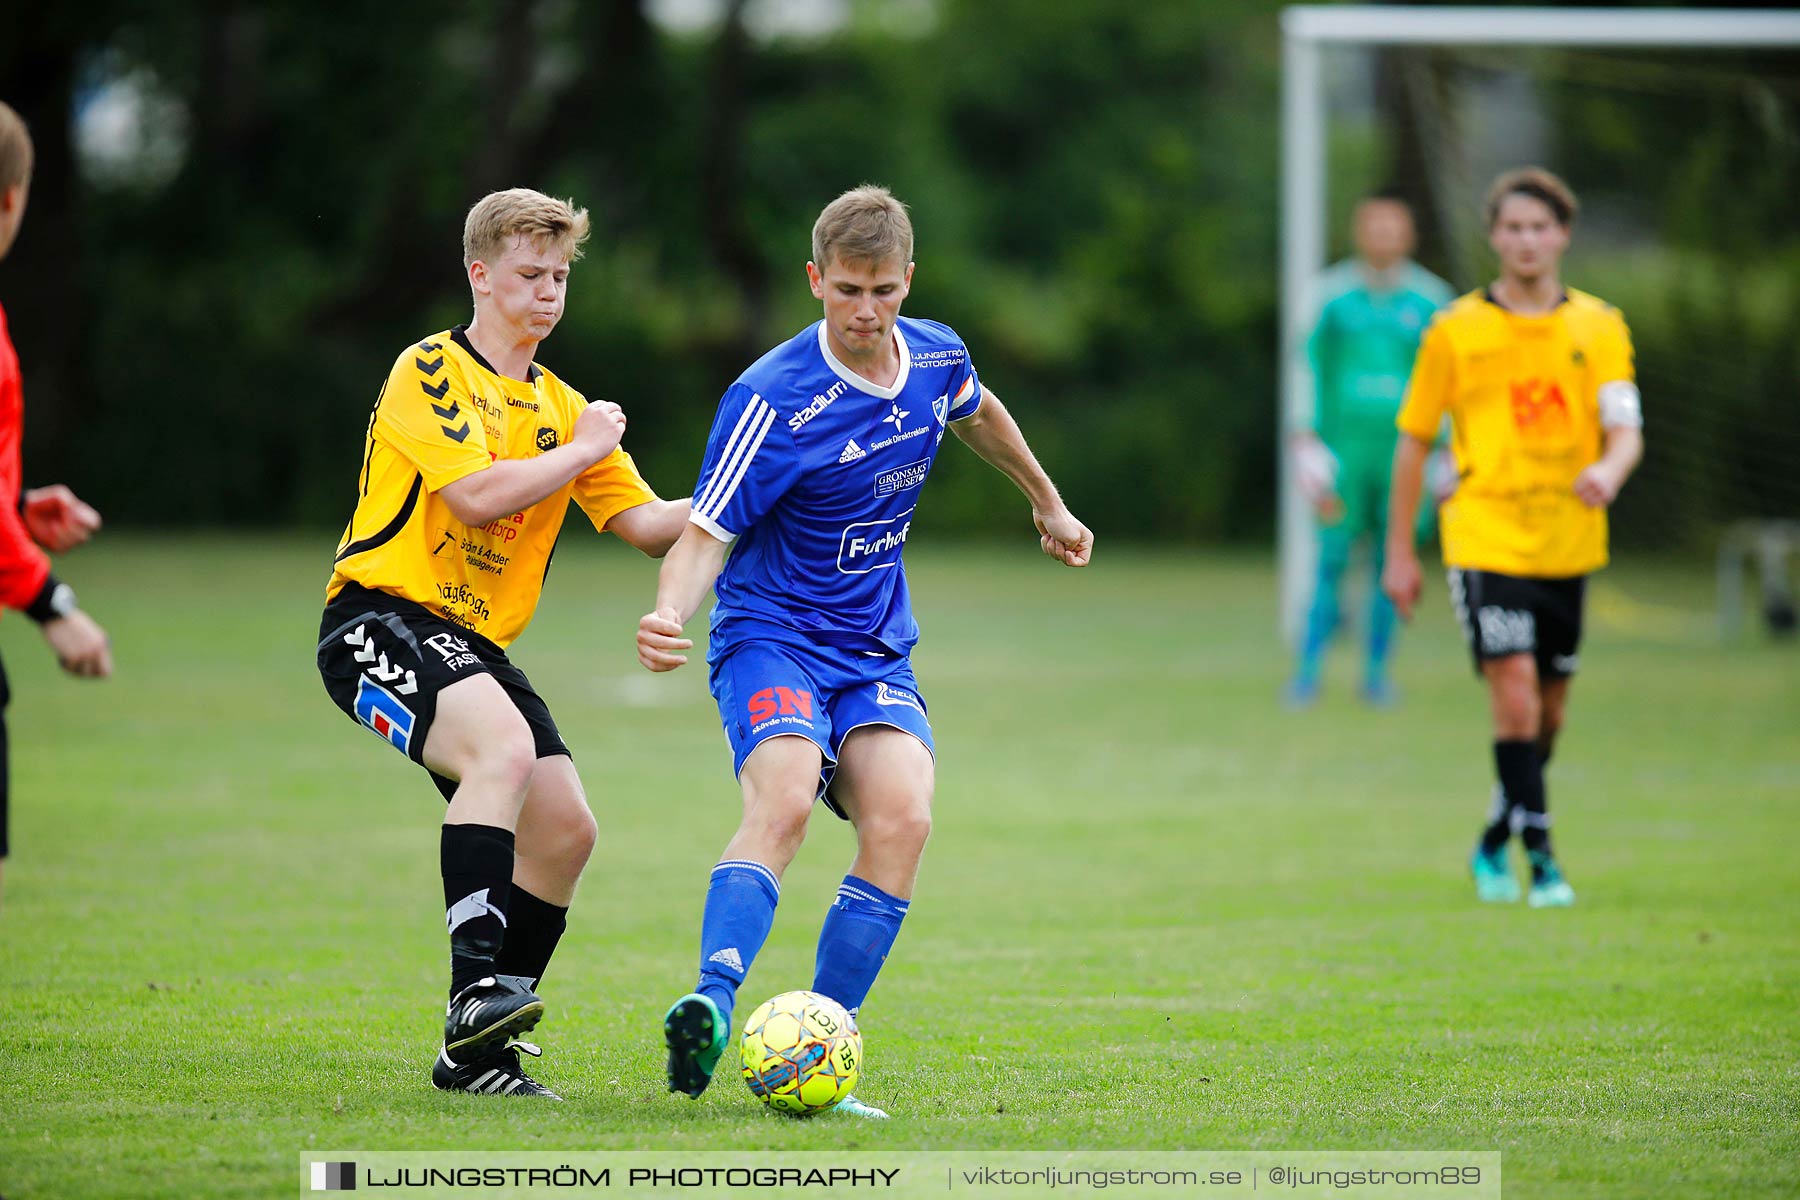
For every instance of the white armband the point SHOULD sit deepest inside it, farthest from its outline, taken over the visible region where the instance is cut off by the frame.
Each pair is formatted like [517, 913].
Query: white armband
[1620, 404]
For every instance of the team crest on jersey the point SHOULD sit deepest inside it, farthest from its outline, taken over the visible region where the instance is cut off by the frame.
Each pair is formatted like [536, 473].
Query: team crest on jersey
[547, 439]
[940, 408]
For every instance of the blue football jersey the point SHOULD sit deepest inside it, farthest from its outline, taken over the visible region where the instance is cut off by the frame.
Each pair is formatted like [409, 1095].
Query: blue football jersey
[815, 472]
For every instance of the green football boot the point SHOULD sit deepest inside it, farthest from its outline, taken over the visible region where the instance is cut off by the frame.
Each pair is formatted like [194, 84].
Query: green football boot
[1548, 887]
[1494, 882]
[696, 1034]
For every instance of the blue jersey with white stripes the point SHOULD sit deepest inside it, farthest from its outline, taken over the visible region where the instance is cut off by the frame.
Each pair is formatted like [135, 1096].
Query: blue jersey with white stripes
[816, 471]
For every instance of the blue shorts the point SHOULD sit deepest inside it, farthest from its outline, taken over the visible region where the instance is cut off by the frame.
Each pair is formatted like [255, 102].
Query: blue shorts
[768, 689]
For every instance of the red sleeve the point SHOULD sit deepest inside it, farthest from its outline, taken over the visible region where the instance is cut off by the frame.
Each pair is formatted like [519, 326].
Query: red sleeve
[23, 567]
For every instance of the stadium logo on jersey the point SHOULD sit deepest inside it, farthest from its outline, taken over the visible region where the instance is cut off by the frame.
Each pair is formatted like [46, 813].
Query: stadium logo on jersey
[892, 696]
[819, 404]
[852, 452]
[780, 702]
[872, 545]
[898, 417]
[547, 439]
[382, 712]
[902, 479]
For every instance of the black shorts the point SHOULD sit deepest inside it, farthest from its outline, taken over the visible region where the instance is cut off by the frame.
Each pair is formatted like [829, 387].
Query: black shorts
[1503, 615]
[384, 660]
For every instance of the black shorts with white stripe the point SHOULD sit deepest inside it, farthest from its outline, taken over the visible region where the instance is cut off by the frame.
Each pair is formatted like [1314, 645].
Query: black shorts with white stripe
[384, 660]
[1502, 615]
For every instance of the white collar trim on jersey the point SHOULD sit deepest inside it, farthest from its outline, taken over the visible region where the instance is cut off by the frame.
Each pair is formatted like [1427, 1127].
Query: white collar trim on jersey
[857, 381]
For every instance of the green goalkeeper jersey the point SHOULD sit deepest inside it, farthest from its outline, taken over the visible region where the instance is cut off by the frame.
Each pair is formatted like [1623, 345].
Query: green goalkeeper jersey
[1362, 350]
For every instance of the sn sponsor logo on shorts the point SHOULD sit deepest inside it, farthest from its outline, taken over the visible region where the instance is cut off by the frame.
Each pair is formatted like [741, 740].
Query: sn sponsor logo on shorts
[871, 545]
[794, 707]
[902, 479]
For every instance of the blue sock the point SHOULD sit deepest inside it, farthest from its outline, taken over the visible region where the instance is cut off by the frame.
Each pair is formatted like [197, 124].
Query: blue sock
[1381, 630]
[1321, 618]
[740, 908]
[860, 929]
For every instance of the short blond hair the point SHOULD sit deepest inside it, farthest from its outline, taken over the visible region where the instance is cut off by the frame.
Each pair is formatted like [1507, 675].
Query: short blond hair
[1540, 185]
[546, 222]
[864, 225]
[15, 148]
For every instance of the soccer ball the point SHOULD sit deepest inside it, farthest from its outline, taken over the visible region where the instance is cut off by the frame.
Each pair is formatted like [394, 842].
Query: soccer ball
[801, 1053]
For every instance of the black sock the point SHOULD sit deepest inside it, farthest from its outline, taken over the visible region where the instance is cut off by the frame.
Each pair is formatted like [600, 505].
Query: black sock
[477, 862]
[1498, 830]
[1503, 814]
[1520, 765]
[533, 927]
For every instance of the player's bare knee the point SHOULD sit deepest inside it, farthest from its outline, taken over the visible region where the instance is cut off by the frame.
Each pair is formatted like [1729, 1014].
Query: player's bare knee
[780, 811]
[580, 833]
[505, 757]
[899, 829]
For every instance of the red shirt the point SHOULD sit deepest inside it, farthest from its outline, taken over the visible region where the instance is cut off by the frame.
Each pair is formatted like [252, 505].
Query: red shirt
[23, 567]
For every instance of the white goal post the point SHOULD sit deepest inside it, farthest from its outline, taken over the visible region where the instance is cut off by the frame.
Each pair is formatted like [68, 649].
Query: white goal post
[1306, 31]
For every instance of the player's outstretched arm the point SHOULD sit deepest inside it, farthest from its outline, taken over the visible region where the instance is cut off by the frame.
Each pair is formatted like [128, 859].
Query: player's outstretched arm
[652, 527]
[991, 432]
[687, 575]
[57, 519]
[1400, 577]
[510, 485]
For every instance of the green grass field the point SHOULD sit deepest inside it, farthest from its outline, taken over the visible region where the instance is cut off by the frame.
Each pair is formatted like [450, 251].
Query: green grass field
[1157, 913]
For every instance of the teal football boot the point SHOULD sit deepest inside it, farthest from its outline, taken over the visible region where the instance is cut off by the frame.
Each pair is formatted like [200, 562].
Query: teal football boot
[696, 1034]
[1494, 882]
[850, 1106]
[1548, 887]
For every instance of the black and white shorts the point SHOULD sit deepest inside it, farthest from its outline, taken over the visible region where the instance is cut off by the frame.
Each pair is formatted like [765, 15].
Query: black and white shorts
[1503, 615]
[384, 660]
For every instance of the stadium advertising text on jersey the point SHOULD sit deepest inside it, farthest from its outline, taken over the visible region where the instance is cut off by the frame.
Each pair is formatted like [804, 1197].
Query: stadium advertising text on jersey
[819, 404]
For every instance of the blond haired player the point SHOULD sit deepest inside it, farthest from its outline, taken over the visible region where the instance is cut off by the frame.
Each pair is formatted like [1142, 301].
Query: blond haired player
[473, 455]
[1539, 385]
[814, 469]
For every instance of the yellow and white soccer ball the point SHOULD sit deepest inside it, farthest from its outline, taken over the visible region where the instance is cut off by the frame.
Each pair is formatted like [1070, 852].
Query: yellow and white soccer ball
[801, 1053]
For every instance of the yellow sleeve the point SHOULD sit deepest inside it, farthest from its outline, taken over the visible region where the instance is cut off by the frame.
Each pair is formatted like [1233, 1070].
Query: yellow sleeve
[609, 487]
[1430, 387]
[424, 413]
[1614, 356]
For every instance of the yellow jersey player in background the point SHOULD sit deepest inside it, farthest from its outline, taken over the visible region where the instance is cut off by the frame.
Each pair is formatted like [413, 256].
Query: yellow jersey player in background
[473, 455]
[1546, 426]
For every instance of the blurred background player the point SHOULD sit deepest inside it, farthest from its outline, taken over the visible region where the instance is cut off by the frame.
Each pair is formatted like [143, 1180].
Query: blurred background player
[474, 453]
[1539, 385]
[1375, 308]
[33, 520]
[814, 467]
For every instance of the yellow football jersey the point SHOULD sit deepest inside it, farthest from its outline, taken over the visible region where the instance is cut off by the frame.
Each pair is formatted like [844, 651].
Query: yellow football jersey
[445, 413]
[1522, 393]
